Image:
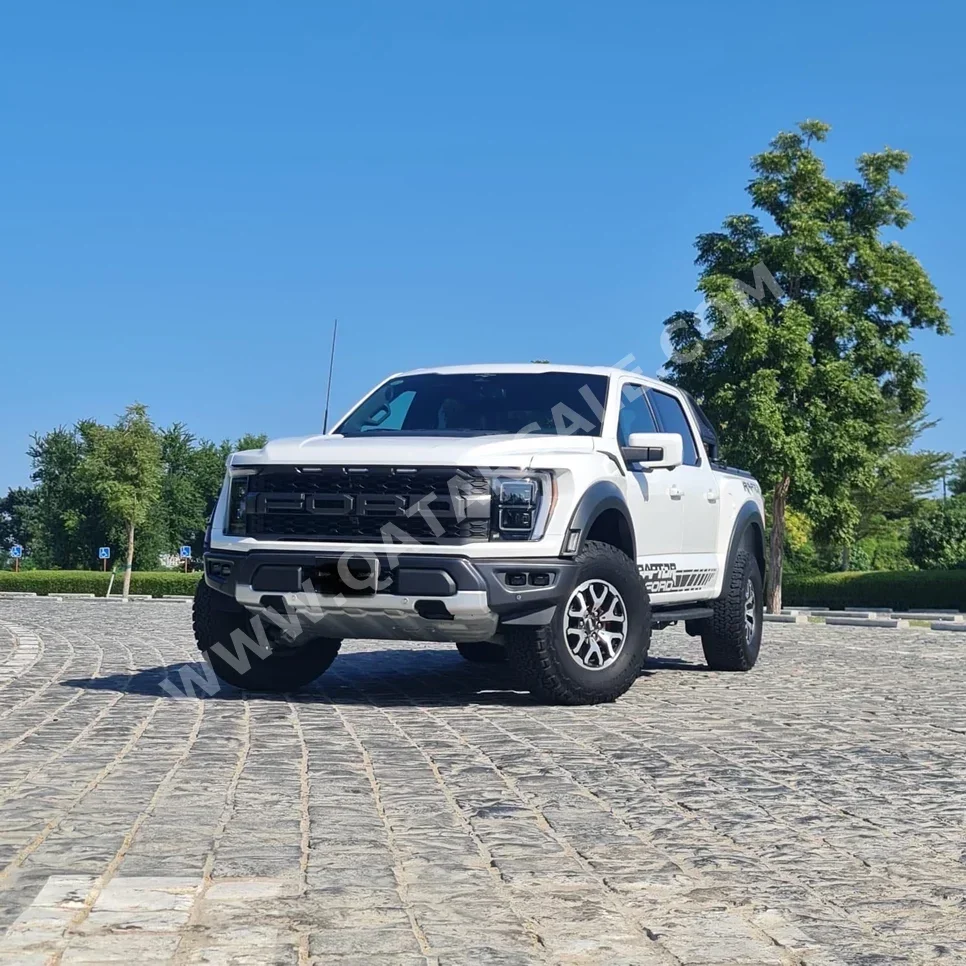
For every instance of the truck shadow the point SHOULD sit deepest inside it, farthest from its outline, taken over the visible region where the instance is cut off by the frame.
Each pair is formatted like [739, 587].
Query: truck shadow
[385, 677]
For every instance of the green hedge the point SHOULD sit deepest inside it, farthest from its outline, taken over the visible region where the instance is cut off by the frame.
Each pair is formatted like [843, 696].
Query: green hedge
[156, 583]
[899, 589]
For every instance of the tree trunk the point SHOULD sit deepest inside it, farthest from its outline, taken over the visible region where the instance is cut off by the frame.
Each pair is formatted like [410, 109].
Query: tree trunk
[130, 560]
[846, 557]
[776, 546]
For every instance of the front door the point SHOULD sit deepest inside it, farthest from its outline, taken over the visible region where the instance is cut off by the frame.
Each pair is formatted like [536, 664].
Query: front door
[655, 506]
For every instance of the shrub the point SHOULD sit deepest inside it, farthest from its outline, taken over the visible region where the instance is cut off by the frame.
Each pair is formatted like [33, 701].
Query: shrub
[902, 590]
[156, 583]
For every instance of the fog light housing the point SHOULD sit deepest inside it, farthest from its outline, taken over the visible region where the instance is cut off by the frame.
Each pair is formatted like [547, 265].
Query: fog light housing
[218, 569]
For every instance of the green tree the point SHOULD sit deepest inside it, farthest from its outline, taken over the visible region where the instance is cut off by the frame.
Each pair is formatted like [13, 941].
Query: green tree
[803, 376]
[937, 535]
[901, 481]
[68, 518]
[18, 511]
[124, 467]
[957, 479]
[65, 517]
[180, 510]
[193, 475]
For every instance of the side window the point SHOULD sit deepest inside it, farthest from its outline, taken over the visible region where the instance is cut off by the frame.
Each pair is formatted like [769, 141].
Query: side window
[634, 415]
[673, 420]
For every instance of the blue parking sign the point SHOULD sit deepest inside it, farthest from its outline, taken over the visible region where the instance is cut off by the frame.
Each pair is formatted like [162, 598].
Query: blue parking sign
[16, 551]
[186, 552]
[103, 553]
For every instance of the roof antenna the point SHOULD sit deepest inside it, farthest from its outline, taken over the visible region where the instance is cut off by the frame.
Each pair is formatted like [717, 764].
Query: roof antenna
[328, 388]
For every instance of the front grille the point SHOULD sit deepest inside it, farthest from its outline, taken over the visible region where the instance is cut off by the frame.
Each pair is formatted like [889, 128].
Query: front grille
[368, 503]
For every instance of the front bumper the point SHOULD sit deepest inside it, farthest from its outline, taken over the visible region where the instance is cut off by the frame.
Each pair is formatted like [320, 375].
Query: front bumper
[420, 597]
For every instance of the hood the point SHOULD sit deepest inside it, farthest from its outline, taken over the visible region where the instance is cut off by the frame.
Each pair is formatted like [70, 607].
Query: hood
[509, 451]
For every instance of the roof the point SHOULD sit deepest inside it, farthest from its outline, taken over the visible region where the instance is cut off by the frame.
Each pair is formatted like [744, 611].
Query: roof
[532, 367]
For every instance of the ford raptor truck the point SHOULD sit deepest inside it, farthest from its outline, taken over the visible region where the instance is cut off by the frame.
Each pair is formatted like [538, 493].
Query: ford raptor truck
[547, 516]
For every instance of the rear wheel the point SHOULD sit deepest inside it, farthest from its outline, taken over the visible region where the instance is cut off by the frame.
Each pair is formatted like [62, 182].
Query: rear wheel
[596, 645]
[731, 638]
[482, 652]
[251, 651]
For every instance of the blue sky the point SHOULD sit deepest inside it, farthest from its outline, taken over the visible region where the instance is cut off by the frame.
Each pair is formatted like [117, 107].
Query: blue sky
[190, 192]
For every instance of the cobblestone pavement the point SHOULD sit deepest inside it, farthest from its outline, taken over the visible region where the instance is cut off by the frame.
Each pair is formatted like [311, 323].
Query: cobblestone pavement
[412, 808]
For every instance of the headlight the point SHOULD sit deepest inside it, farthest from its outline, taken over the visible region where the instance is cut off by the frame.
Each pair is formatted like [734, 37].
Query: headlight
[236, 525]
[521, 505]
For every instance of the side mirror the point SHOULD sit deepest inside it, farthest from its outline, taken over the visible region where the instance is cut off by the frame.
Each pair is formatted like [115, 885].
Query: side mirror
[654, 450]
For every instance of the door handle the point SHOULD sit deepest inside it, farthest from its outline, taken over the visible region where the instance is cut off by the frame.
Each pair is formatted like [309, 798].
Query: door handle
[675, 492]
[711, 496]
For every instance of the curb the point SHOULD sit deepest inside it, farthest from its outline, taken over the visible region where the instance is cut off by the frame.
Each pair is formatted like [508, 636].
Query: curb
[866, 622]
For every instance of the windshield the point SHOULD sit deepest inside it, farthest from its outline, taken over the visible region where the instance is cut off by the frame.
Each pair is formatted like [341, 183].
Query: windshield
[479, 404]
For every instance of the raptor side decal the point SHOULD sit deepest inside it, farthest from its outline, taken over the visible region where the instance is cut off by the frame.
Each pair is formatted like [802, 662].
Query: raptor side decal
[662, 578]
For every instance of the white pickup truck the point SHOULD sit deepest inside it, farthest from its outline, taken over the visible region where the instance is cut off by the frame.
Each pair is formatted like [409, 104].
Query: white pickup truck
[548, 516]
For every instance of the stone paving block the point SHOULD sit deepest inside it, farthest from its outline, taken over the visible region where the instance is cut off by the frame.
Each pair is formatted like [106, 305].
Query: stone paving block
[249, 890]
[232, 955]
[364, 941]
[109, 921]
[148, 893]
[715, 937]
[127, 948]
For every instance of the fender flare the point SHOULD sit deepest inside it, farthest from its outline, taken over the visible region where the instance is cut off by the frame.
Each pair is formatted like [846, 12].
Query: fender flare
[748, 527]
[598, 497]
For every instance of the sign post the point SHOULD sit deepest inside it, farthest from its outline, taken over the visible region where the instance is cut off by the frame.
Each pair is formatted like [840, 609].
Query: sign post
[185, 553]
[104, 554]
[16, 551]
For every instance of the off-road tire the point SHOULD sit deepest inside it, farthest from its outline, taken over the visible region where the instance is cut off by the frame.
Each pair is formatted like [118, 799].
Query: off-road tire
[724, 635]
[482, 652]
[288, 667]
[541, 658]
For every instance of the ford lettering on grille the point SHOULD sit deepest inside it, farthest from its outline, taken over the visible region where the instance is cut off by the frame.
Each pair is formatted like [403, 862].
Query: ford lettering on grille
[429, 504]
[360, 504]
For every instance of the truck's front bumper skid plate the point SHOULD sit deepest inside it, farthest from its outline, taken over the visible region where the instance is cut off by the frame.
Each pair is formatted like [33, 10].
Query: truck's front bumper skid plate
[421, 596]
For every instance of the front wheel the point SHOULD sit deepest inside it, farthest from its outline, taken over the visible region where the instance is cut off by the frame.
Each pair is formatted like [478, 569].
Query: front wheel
[596, 645]
[731, 638]
[251, 652]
